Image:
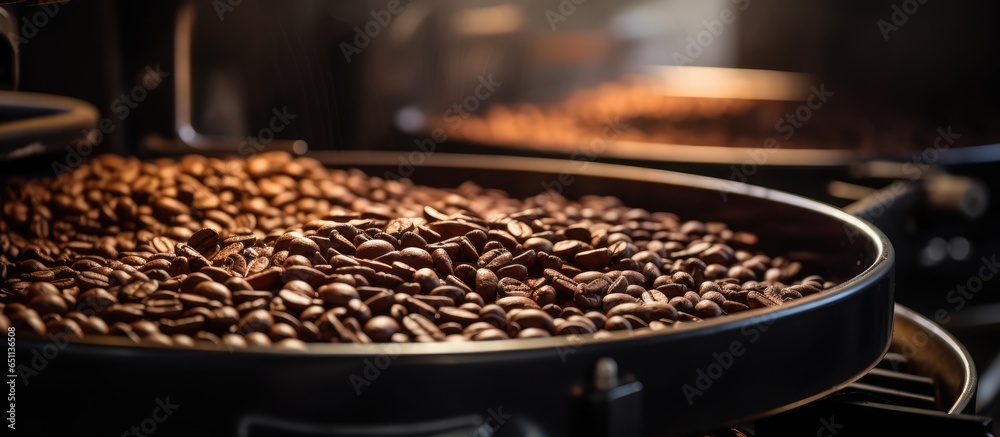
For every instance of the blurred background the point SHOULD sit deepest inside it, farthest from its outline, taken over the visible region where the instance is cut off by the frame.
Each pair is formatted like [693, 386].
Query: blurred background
[887, 109]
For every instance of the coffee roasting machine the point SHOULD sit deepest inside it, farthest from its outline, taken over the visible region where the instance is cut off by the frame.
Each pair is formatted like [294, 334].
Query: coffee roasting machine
[884, 112]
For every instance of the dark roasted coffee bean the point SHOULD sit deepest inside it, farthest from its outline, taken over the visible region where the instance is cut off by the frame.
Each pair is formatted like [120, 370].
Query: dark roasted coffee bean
[456, 294]
[293, 300]
[212, 290]
[48, 304]
[256, 321]
[657, 311]
[760, 300]
[457, 315]
[539, 245]
[544, 295]
[617, 323]
[574, 328]
[88, 280]
[731, 307]
[534, 318]
[707, 309]
[380, 303]
[495, 259]
[614, 299]
[381, 328]
[490, 335]
[486, 283]
[511, 302]
[593, 259]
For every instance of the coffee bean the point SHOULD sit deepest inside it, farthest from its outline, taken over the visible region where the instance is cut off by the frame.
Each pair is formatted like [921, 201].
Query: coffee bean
[495, 259]
[48, 304]
[574, 328]
[256, 321]
[486, 284]
[457, 315]
[381, 328]
[567, 249]
[511, 302]
[539, 245]
[212, 290]
[544, 295]
[535, 318]
[707, 308]
[593, 259]
[293, 300]
[490, 335]
[760, 300]
[88, 280]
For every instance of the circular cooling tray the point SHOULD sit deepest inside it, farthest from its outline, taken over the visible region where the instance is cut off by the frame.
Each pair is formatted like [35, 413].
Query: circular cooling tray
[790, 355]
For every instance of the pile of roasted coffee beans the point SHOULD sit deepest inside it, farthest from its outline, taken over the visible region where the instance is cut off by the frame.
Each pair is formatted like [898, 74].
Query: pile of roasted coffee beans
[280, 251]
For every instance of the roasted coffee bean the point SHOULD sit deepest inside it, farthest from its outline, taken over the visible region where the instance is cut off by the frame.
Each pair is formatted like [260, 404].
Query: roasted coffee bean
[455, 293]
[617, 323]
[539, 245]
[88, 280]
[760, 300]
[650, 296]
[657, 311]
[293, 300]
[730, 307]
[457, 315]
[381, 328]
[707, 309]
[544, 295]
[212, 290]
[48, 304]
[511, 302]
[337, 294]
[486, 283]
[614, 299]
[534, 318]
[490, 335]
[495, 259]
[574, 328]
[593, 259]
[374, 248]
[256, 321]
[512, 287]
